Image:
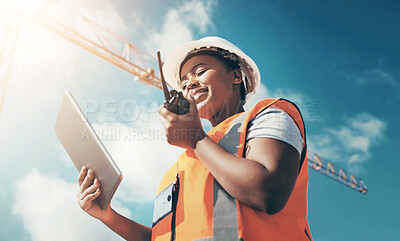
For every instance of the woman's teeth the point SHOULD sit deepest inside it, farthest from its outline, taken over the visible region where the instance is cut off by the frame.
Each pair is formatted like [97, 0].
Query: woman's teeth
[199, 93]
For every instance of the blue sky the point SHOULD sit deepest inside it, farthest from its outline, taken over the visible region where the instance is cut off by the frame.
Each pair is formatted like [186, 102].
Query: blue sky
[338, 60]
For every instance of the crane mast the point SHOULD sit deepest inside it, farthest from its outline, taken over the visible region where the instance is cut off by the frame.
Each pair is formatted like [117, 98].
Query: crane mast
[8, 41]
[96, 39]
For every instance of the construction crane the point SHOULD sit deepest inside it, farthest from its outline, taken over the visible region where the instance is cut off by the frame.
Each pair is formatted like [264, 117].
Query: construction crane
[69, 24]
[333, 171]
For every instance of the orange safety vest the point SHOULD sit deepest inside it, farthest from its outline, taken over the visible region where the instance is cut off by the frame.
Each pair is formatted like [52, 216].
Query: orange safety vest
[206, 212]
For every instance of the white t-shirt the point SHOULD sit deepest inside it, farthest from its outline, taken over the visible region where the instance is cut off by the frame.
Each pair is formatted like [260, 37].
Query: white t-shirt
[277, 124]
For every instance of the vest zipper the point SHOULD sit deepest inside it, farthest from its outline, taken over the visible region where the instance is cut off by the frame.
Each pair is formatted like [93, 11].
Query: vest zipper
[175, 195]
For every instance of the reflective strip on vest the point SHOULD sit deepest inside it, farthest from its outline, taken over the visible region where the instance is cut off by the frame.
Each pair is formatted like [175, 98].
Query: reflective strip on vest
[225, 218]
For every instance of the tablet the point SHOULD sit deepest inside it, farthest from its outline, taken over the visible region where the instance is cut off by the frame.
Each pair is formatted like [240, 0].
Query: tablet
[86, 149]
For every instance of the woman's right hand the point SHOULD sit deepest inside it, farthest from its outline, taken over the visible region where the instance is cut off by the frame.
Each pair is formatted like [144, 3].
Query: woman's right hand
[89, 190]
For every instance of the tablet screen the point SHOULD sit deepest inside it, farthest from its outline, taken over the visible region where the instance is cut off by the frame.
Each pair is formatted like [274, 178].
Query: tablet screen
[85, 148]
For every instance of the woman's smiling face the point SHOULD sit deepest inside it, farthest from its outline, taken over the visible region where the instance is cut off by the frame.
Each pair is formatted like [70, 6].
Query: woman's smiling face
[209, 81]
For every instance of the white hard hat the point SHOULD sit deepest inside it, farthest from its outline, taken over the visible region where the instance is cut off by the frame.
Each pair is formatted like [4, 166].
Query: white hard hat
[172, 64]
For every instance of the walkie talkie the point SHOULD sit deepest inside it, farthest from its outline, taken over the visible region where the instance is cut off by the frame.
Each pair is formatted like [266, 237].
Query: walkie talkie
[174, 100]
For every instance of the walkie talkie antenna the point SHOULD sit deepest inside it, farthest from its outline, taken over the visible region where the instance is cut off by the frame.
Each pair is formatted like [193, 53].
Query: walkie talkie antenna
[164, 84]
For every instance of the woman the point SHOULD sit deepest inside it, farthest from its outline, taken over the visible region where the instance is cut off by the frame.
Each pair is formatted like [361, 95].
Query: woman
[246, 179]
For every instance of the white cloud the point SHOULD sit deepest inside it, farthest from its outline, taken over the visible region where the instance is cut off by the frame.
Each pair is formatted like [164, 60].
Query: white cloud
[373, 76]
[361, 131]
[180, 25]
[325, 146]
[368, 125]
[354, 158]
[102, 12]
[42, 67]
[49, 210]
[63, 155]
[96, 20]
[350, 143]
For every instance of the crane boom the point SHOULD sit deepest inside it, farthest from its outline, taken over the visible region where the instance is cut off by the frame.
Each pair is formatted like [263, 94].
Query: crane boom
[338, 174]
[85, 33]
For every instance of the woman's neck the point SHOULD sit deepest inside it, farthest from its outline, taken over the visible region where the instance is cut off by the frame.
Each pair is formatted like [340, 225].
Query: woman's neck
[227, 111]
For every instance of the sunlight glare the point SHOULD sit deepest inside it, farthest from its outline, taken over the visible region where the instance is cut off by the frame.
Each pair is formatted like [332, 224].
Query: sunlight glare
[24, 8]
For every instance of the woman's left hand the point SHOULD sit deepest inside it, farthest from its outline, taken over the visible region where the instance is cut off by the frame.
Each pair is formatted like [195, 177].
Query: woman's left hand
[182, 130]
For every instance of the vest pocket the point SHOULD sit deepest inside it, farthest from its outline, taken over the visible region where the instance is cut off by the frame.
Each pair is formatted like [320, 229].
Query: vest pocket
[163, 203]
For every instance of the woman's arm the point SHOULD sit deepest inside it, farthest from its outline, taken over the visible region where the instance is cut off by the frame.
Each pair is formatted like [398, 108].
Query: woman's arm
[89, 190]
[264, 179]
[127, 228]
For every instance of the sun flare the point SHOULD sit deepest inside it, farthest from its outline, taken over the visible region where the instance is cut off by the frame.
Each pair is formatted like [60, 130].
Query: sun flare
[23, 8]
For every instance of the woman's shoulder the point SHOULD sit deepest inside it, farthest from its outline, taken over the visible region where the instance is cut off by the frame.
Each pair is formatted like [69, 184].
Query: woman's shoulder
[274, 122]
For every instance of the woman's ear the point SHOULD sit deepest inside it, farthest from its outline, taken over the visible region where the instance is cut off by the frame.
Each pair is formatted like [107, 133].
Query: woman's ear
[237, 76]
